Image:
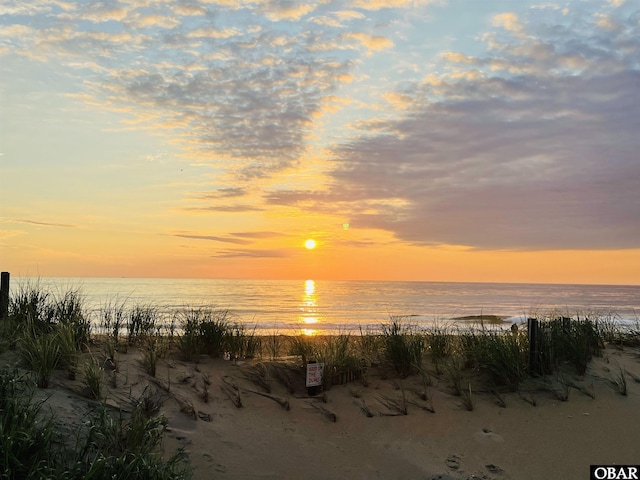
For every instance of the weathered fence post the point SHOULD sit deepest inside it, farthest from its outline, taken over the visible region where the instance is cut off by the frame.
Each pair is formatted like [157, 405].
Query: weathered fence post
[4, 295]
[534, 354]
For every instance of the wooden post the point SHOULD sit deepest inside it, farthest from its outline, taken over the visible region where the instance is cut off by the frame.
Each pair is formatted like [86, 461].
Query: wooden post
[534, 354]
[4, 295]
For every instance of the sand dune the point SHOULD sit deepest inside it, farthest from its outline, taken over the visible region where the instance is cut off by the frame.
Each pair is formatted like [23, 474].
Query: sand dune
[358, 430]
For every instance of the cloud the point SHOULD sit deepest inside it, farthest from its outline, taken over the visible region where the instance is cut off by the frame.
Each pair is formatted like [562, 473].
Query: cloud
[371, 42]
[533, 147]
[238, 92]
[234, 208]
[509, 21]
[225, 192]
[378, 4]
[246, 253]
[213, 238]
[277, 10]
[259, 235]
[44, 224]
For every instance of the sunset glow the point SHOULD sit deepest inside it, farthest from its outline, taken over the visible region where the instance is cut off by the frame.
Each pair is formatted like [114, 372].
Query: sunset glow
[412, 142]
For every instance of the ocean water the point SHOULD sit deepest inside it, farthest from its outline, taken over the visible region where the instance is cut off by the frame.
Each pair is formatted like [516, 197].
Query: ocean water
[291, 307]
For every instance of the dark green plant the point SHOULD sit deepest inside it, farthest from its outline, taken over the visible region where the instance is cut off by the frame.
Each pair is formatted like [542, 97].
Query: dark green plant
[69, 311]
[189, 342]
[69, 351]
[468, 401]
[26, 437]
[338, 355]
[503, 356]
[273, 345]
[143, 321]
[32, 307]
[40, 354]
[214, 331]
[242, 343]
[438, 341]
[403, 347]
[121, 447]
[302, 346]
[620, 382]
[153, 349]
[569, 340]
[454, 369]
[93, 378]
[113, 317]
[370, 346]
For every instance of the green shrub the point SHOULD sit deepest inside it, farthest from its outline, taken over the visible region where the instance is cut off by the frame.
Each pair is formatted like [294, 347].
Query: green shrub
[32, 307]
[69, 311]
[403, 347]
[214, 331]
[503, 356]
[338, 355]
[25, 448]
[569, 340]
[438, 341]
[107, 448]
[69, 351]
[241, 343]
[143, 321]
[41, 354]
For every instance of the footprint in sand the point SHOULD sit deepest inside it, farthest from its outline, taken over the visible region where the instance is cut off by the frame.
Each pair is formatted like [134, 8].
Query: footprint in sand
[493, 468]
[453, 462]
[486, 436]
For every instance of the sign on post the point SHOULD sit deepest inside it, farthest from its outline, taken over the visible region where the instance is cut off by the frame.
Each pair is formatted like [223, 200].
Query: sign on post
[314, 374]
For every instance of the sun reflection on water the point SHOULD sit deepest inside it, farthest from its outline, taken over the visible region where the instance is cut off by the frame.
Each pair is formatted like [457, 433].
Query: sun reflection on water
[309, 307]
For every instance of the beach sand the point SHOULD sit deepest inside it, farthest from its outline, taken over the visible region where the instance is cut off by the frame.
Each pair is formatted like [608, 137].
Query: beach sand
[352, 430]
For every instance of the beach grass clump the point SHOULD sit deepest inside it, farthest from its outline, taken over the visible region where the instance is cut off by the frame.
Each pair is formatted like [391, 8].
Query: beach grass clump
[504, 356]
[242, 342]
[206, 330]
[468, 400]
[272, 345]
[568, 340]
[339, 356]
[302, 346]
[369, 344]
[454, 369]
[153, 349]
[189, 342]
[40, 353]
[143, 321]
[25, 448]
[108, 447]
[214, 332]
[113, 318]
[403, 347]
[69, 351]
[34, 307]
[338, 353]
[93, 378]
[69, 312]
[619, 381]
[439, 345]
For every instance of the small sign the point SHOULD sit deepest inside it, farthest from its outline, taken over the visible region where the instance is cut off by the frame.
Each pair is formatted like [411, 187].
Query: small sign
[314, 374]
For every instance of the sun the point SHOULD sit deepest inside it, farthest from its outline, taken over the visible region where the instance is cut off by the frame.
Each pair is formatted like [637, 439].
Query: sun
[310, 244]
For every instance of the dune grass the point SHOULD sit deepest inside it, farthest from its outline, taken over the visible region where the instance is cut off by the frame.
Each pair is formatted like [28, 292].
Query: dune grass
[54, 331]
[109, 447]
[403, 347]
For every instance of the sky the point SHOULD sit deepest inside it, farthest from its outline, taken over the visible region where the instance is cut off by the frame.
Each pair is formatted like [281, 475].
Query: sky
[435, 140]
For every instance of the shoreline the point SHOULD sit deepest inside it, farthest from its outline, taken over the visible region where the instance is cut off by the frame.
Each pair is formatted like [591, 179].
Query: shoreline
[399, 402]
